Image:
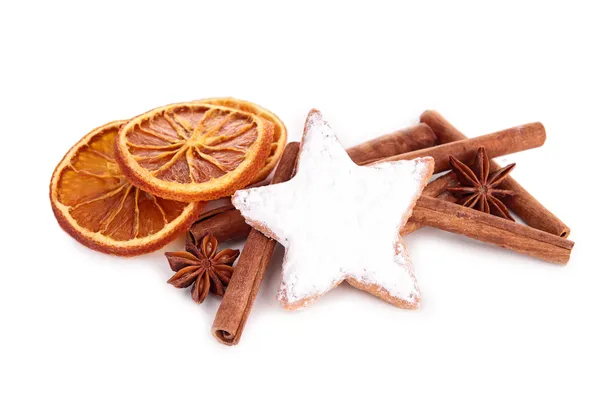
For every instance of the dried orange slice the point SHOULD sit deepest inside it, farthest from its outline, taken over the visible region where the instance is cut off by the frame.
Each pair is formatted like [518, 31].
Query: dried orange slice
[193, 151]
[94, 202]
[279, 129]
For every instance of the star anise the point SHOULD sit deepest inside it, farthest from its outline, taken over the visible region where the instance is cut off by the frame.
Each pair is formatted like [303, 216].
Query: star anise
[202, 266]
[478, 188]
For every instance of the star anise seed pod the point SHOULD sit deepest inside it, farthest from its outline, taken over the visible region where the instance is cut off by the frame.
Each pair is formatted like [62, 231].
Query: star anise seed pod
[478, 188]
[201, 266]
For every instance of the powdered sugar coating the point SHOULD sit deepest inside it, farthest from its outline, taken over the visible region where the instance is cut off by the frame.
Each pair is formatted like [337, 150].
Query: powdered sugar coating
[339, 221]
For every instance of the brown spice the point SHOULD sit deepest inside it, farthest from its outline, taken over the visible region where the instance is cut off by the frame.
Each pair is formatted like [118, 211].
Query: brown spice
[527, 207]
[413, 138]
[224, 223]
[512, 140]
[491, 229]
[478, 188]
[201, 266]
[447, 218]
[436, 189]
[238, 301]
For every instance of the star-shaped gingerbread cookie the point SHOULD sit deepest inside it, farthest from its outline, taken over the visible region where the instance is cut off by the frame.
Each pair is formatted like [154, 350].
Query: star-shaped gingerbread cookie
[339, 221]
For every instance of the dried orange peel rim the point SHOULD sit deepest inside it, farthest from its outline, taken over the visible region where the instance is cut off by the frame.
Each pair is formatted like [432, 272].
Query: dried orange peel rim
[215, 188]
[279, 132]
[99, 241]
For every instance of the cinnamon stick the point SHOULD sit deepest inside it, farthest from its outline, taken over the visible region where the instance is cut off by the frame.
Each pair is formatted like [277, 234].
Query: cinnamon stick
[403, 141]
[527, 207]
[512, 140]
[434, 189]
[225, 223]
[440, 185]
[437, 187]
[249, 272]
[445, 132]
[444, 215]
[491, 229]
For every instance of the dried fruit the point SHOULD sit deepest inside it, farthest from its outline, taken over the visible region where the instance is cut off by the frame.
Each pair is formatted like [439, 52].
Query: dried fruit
[279, 129]
[94, 202]
[193, 151]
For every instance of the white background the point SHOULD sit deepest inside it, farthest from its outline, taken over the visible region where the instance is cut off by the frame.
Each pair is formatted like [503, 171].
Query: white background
[77, 324]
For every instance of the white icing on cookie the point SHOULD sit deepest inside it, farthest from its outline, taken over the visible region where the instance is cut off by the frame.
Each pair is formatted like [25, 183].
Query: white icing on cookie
[339, 221]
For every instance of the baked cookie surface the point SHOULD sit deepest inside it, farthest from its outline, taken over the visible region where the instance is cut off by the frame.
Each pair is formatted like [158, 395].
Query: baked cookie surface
[339, 221]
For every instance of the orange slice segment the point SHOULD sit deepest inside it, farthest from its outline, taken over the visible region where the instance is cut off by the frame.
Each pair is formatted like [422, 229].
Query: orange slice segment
[96, 204]
[279, 129]
[193, 151]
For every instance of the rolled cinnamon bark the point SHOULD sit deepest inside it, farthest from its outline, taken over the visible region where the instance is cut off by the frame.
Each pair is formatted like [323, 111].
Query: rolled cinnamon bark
[403, 141]
[471, 223]
[491, 229]
[499, 143]
[442, 214]
[445, 132]
[250, 269]
[527, 207]
[225, 223]
[512, 140]
[434, 189]
[440, 185]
